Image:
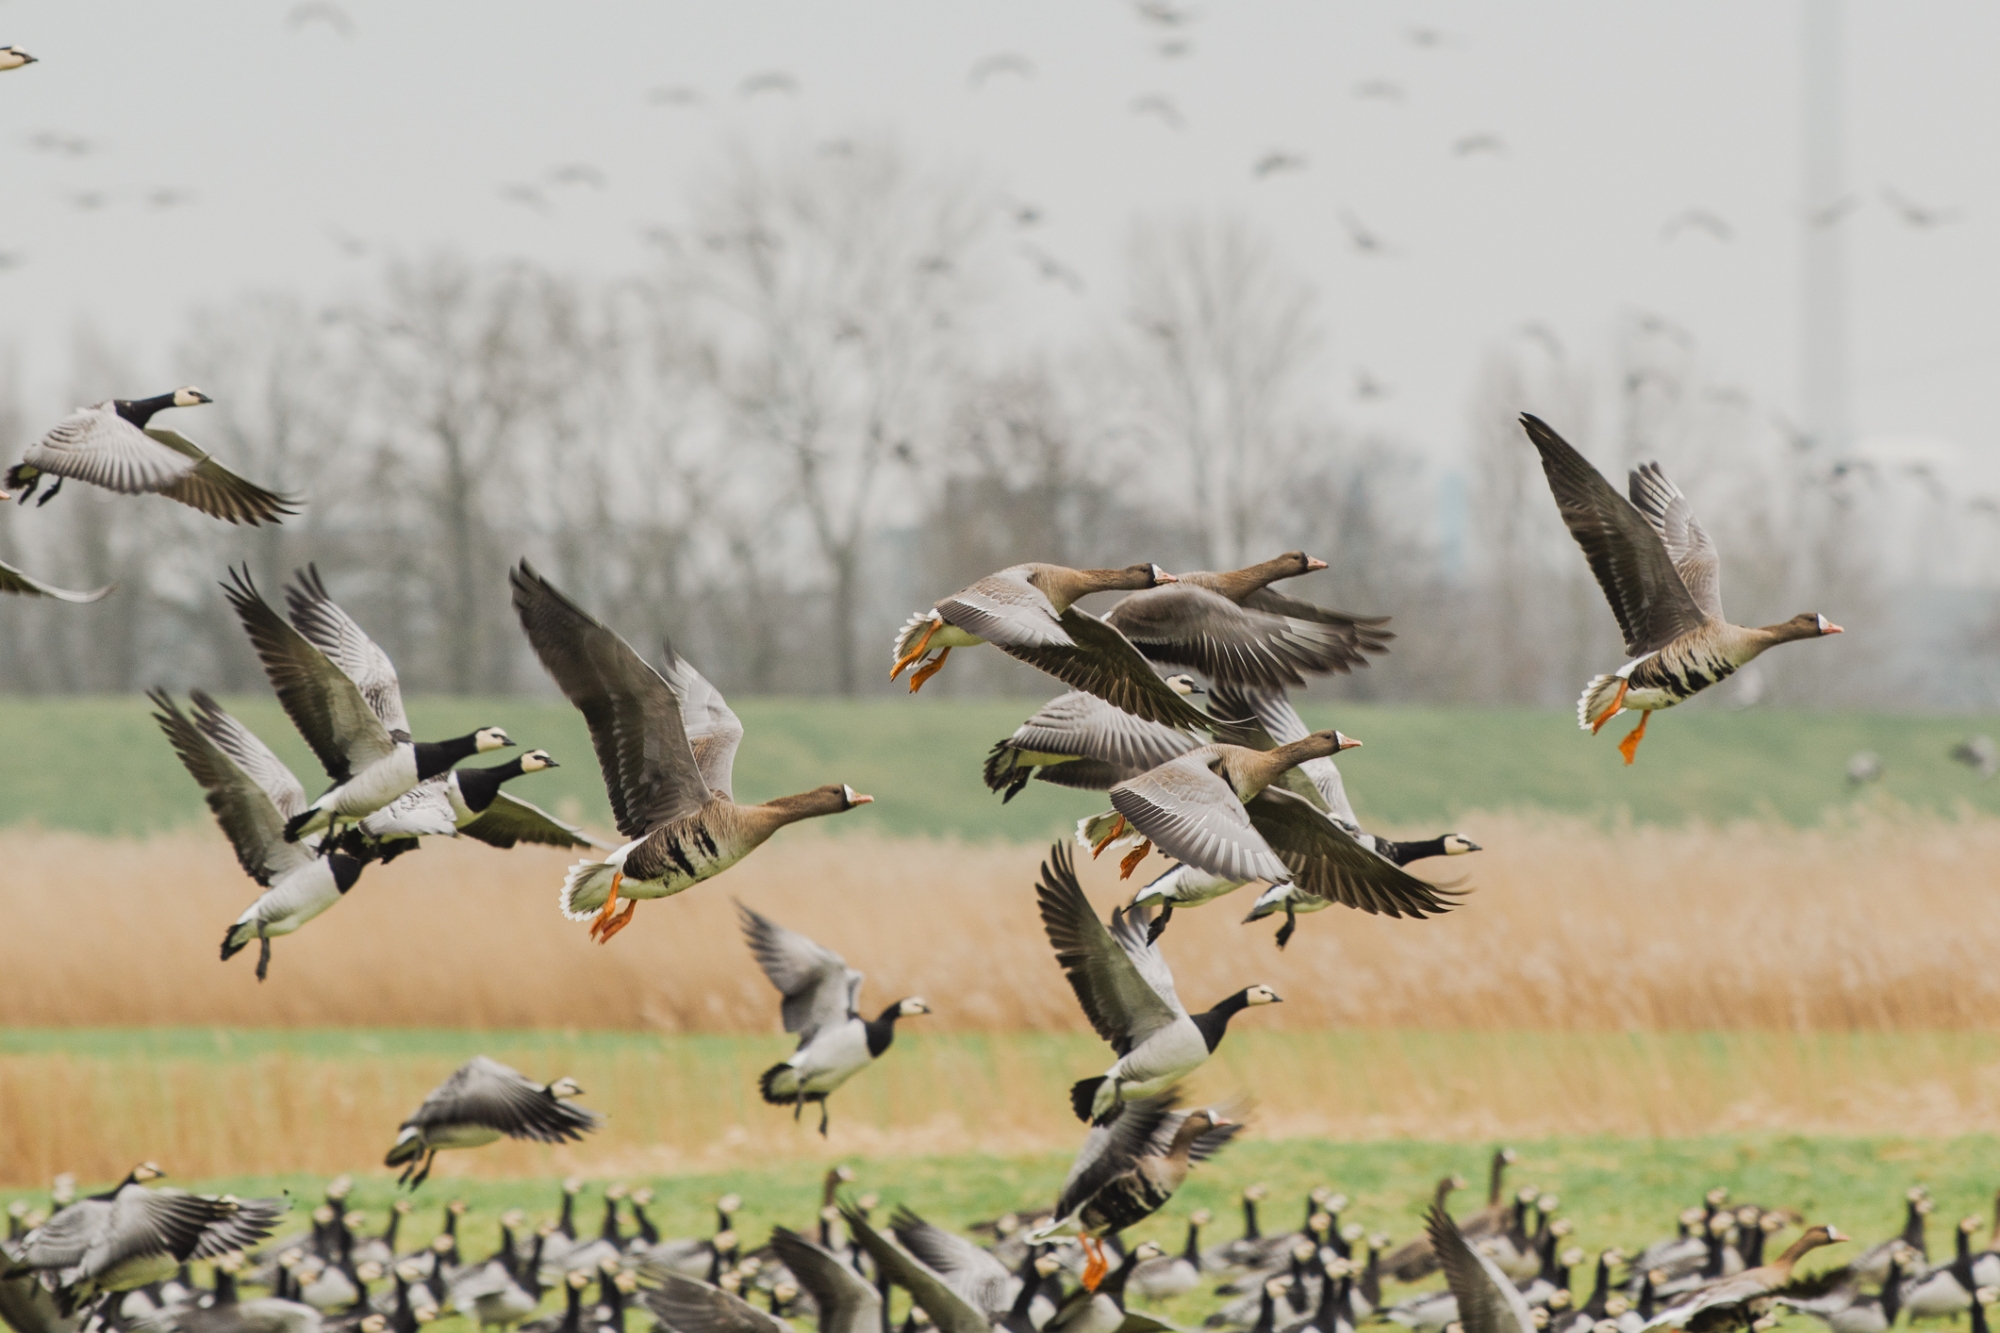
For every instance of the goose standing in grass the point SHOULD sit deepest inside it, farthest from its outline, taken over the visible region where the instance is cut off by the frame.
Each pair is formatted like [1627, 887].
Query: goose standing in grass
[1128, 1170]
[1026, 611]
[1842, 1307]
[1233, 628]
[821, 998]
[666, 742]
[1175, 1274]
[469, 801]
[1127, 993]
[1979, 754]
[341, 691]
[254, 796]
[1661, 574]
[478, 1104]
[1715, 1305]
[13, 57]
[21, 584]
[114, 445]
[1079, 740]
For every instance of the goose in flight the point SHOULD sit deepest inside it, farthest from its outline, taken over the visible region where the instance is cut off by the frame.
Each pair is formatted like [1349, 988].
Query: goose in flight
[1127, 993]
[1661, 574]
[1079, 740]
[821, 998]
[666, 742]
[1487, 1299]
[21, 584]
[470, 801]
[478, 1104]
[341, 691]
[114, 445]
[846, 1302]
[254, 795]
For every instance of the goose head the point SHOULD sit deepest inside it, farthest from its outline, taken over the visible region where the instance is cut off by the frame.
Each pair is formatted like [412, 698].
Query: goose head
[534, 761]
[1184, 685]
[13, 57]
[339, 1188]
[850, 798]
[911, 1007]
[565, 1087]
[490, 738]
[189, 396]
[1046, 1265]
[1260, 994]
[146, 1171]
[62, 1191]
[373, 1323]
[1455, 845]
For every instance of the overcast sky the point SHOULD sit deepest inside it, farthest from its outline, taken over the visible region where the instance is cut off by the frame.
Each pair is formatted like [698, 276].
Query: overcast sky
[164, 155]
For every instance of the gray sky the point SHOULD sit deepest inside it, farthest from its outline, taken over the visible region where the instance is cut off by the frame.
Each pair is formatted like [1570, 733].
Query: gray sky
[1612, 120]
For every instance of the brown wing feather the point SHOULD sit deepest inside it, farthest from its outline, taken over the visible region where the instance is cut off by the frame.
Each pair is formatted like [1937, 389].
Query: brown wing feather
[1327, 863]
[1103, 662]
[215, 490]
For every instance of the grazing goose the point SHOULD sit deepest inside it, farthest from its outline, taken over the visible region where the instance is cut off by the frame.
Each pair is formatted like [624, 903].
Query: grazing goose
[1487, 1299]
[1660, 572]
[22, 584]
[666, 742]
[479, 1103]
[1717, 1304]
[13, 57]
[571, 1319]
[845, 1301]
[113, 445]
[1127, 993]
[341, 692]
[1177, 1274]
[254, 796]
[1079, 740]
[470, 801]
[821, 994]
[1232, 628]
[1127, 1170]
[1026, 612]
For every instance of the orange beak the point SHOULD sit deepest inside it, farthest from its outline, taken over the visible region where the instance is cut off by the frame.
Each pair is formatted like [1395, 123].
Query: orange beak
[1349, 743]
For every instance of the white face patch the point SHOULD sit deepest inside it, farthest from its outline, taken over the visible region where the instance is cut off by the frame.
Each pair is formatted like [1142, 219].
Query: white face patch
[491, 738]
[1262, 995]
[534, 761]
[190, 397]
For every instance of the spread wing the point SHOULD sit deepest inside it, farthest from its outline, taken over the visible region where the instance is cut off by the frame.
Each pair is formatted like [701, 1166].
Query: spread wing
[1326, 861]
[1123, 1007]
[1630, 561]
[63, 1240]
[215, 490]
[323, 702]
[1278, 723]
[1488, 1301]
[947, 1309]
[633, 713]
[1101, 661]
[96, 445]
[26, 585]
[249, 753]
[148, 1222]
[486, 1092]
[1006, 610]
[253, 823]
[1081, 724]
[980, 1280]
[845, 1300]
[331, 630]
[1366, 633]
[713, 730]
[424, 811]
[820, 989]
[686, 1305]
[1189, 625]
[1687, 542]
[248, 1222]
[1111, 1149]
[1193, 816]
[509, 820]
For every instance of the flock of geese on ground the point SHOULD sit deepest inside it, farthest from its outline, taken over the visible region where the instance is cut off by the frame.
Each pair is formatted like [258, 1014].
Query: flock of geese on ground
[124, 1260]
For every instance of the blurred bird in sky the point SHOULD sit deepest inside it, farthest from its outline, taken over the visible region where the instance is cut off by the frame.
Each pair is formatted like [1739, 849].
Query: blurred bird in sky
[1364, 239]
[1828, 215]
[1697, 219]
[1479, 143]
[770, 81]
[1052, 269]
[336, 19]
[1919, 215]
[1274, 163]
[1006, 62]
[54, 141]
[1162, 13]
[1162, 108]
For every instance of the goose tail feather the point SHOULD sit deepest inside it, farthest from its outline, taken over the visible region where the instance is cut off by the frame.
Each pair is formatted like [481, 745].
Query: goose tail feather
[585, 889]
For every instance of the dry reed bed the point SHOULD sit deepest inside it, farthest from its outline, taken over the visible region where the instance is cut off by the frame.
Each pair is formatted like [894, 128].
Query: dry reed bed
[1881, 924]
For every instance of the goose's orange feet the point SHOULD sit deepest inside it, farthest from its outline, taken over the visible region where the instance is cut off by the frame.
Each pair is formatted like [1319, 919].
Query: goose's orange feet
[1617, 702]
[1117, 832]
[928, 669]
[1095, 1265]
[923, 646]
[610, 906]
[619, 922]
[1629, 747]
[1133, 858]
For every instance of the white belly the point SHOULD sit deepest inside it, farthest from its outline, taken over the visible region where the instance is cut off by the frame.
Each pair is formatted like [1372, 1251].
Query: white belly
[374, 786]
[293, 901]
[835, 1056]
[444, 1137]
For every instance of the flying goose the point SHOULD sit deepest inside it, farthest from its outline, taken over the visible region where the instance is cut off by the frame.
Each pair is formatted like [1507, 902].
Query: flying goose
[1079, 740]
[113, 446]
[1127, 993]
[666, 741]
[1715, 1305]
[254, 796]
[950, 1312]
[1487, 1300]
[846, 1302]
[21, 584]
[1660, 572]
[13, 57]
[341, 692]
[820, 993]
[1128, 1170]
[470, 801]
[689, 1305]
[1233, 628]
[978, 1278]
[478, 1104]
[1026, 611]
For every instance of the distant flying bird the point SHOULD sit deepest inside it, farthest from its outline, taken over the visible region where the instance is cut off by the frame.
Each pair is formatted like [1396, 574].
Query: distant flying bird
[320, 11]
[1053, 269]
[1919, 215]
[13, 57]
[477, 1105]
[1479, 143]
[676, 95]
[1366, 386]
[1698, 219]
[88, 201]
[1979, 754]
[1828, 215]
[1161, 106]
[11, 259]
[19, 584]
[770, 81]
[1007, 62]
[1366, 241]
[1662, 327]
[528, 196]
[1022, 214]
[169, 197]
[1381, 90]
[1273, 163]
[1863, 767]
[1162, 13]
[578, 173]
[54, 141]
[1174, 49]
[1431, 39]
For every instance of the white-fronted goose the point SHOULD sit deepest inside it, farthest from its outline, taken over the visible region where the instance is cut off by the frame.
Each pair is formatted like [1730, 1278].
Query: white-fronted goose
[1026, 612]
[341, 692]
[821, 998]
[1127, 993]
[479, 1103]
[254, 797]
[667, 745]
[22, 584]
[1078, 740]
[1487, 1299]
[113, 445]
[1660, 572]
[470, 801]
[1232, 627]
[1128, 1170]
[1716, 1304]
[845, 1301]
[13, 57]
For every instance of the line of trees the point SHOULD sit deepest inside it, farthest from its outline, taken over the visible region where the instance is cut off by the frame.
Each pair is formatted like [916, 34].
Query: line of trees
[793, 429]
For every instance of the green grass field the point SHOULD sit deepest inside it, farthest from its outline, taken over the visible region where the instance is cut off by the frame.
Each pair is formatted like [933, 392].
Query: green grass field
[99, 765]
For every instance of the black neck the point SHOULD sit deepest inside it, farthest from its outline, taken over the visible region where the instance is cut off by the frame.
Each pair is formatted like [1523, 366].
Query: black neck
[573, 1313]
[1214, 1024]
[1193, 1251]
[1913, 1227]
[531, 1279]
[647, 1230]
[1031, 1286]
[882, 1029]
[609, 1231]
[435, 757]
[1250, 1231]
[346, 870]
[1892, 1293]
[1114, 1286]
[478, 786]
[389, 1232]
[139, 411]
[1600, 1290]
[1647, 1299]
[567, 1223]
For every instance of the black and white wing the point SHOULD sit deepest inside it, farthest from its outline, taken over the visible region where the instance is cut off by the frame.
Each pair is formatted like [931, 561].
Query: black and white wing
[250, 754]
[249, 817]
[486, 1092]
[22, 584]
[1124, 1004]
[215, 490]
[820, 990]
[713, 729]
[247, 1222]
[424, 811]
[1111, 1149]
[1687, 542]
[331, 630]
[509, 820]
[96, 445]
